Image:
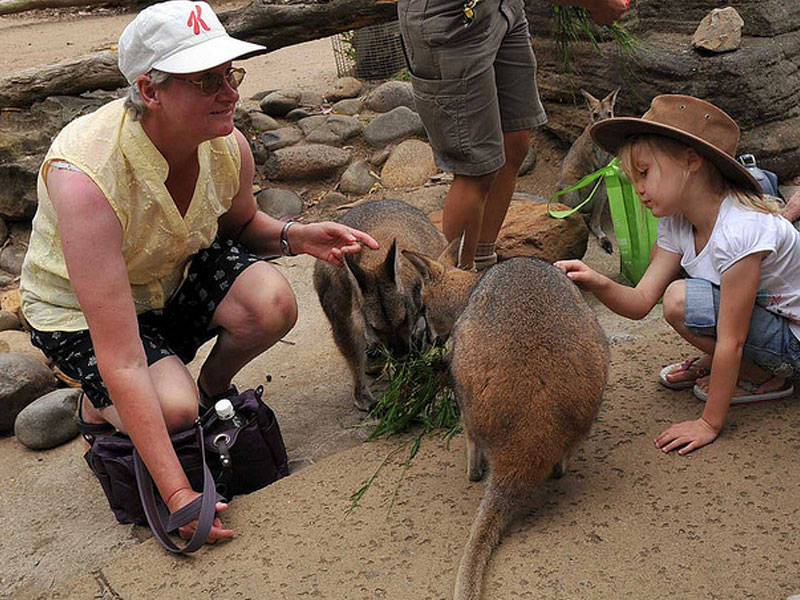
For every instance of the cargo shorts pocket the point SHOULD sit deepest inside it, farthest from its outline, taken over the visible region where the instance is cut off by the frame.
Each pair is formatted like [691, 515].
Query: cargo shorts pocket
[441, 104]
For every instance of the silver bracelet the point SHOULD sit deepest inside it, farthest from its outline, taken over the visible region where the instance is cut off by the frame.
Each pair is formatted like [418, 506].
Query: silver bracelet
[286, 249]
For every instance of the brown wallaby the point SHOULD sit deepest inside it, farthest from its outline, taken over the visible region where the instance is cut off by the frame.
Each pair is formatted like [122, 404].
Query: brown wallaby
[528, 365]
[378, 296]
[584, 157]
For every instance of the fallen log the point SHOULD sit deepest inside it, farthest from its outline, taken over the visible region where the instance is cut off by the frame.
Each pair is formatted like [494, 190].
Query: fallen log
[97, 71]
[284, 24]
[273, 25]
[10, 7]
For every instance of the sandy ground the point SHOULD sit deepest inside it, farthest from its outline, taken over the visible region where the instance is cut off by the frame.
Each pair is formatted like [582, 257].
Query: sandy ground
[625, 521]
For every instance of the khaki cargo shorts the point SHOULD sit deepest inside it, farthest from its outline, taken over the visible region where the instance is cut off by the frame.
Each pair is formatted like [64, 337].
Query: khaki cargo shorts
[471, 83]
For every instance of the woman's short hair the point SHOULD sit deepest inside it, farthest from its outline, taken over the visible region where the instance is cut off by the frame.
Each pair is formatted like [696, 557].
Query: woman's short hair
[133, 100]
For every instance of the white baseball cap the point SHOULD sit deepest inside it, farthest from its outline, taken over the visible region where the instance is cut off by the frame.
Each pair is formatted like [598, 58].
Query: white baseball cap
[178, 36]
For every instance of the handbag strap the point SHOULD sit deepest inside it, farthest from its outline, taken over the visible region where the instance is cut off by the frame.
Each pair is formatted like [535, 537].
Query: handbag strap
[201, 508]
[611, 168]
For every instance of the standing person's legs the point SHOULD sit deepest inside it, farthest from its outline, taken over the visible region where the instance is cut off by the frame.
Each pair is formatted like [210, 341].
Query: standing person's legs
[520, 111]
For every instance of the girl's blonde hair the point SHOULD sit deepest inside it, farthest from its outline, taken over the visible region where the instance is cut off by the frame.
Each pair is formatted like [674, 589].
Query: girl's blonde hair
[662, 145]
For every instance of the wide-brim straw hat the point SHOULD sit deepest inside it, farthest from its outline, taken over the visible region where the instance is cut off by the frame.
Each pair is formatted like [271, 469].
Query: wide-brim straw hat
[696, 123]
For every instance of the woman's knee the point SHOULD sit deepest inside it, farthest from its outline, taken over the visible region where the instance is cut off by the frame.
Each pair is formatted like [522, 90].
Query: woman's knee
[674, 303]
[261, 302]
[177, 393]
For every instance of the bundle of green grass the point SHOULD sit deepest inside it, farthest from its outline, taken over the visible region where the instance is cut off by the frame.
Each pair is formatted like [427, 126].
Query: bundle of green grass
[417, 397]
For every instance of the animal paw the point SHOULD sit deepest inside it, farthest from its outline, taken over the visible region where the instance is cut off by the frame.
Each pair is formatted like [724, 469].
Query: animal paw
[364, 400]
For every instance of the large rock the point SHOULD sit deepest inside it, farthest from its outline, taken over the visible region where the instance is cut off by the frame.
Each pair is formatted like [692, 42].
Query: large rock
[11, 257]
[389, 95]
[278, 103]
[3, 230]
[23, 378]
[18, 188]
[9, 321]
[410, 164]
[358, 178]
[279, 204]
[14, 340]
[261, 122]
[719, 31]
[280, 138]
[334, 130]
[397, 124]
[344, 87]
[48, 421]
[348, 106]
[529, 230]
[308, 161]
[758, 85]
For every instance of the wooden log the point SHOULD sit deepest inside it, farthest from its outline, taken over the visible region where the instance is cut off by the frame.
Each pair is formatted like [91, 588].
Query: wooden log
[273, 25]
[70, 77]
[9, 7]
[284, 24]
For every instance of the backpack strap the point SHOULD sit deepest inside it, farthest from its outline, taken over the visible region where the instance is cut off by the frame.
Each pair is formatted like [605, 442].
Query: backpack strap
[202, 508]
[611, 168]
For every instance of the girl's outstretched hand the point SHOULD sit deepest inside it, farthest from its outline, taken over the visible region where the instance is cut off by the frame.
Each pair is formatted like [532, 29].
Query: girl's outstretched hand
[584, 277]
[688, 436]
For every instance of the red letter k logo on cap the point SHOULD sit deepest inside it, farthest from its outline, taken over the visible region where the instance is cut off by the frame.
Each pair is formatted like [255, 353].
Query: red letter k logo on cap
[196, 21]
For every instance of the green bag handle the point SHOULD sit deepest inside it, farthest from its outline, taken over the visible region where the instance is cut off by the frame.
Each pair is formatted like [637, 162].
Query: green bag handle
[611, 168]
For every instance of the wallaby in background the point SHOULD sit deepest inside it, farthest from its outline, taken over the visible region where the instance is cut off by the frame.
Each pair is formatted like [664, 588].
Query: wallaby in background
[528, 364]
[585, 157]
[377, 297]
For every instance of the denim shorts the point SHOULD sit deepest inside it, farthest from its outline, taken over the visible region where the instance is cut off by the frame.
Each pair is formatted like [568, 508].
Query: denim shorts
[770, 342]
[180, 328]
[471, 82]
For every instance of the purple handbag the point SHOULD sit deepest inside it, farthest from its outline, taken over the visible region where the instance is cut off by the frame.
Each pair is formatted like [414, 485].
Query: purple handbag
[219, 459]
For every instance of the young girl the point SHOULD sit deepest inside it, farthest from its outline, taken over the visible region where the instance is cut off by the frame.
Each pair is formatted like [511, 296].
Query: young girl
[740, 304]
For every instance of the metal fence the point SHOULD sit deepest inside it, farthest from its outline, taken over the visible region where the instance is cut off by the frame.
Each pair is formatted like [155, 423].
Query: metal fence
[372, 52]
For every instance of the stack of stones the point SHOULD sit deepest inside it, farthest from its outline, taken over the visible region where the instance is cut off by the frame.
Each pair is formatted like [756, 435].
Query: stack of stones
[357, 139]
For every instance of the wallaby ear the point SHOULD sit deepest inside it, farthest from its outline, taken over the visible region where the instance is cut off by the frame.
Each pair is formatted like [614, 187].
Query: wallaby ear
[428, 268]
[611, 99]
[451, 256]
[357, 271]
[591, 101]
[391, 263]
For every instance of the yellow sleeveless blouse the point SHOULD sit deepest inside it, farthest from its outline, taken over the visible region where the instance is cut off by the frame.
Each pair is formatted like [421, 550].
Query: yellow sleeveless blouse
[116, 153]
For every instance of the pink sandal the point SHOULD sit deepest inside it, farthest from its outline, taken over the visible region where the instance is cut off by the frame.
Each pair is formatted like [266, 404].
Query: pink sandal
[687, 365]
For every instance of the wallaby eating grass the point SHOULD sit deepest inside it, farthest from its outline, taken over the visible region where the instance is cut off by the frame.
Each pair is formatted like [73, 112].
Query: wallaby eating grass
[377, 297]
[584, 157]
[528, 365]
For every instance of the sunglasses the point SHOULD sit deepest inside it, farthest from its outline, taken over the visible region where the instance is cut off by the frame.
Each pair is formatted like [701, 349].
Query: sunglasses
[211, 83]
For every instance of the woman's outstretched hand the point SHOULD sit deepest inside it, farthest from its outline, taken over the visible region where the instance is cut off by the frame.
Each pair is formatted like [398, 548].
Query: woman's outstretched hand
[329, 241]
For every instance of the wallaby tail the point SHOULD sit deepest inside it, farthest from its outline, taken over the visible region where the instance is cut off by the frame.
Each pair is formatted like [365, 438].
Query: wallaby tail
[494, 514]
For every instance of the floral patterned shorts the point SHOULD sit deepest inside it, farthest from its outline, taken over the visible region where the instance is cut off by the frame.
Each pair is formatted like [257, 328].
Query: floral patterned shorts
[180, 328]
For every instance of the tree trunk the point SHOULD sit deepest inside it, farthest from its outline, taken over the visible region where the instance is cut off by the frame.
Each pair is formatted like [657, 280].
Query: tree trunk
[273, 25]
[8, 7]
[68, 78]
[279, 25]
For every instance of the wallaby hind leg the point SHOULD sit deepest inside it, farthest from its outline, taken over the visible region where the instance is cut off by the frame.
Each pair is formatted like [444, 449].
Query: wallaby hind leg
[560, 468]
[595, 223]
[476, 459]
